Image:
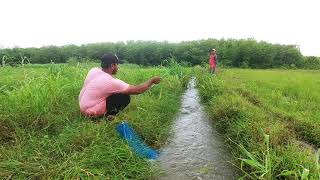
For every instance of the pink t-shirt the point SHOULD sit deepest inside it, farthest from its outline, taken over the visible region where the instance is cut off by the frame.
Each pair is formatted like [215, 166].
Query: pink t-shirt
[212, 61]
[96, 88]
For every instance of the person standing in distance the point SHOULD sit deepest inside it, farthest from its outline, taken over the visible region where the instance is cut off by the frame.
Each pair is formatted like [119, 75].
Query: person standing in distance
[213, 61]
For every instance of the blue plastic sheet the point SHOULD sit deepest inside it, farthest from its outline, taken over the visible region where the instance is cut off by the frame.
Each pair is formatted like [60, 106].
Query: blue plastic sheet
[135, 142]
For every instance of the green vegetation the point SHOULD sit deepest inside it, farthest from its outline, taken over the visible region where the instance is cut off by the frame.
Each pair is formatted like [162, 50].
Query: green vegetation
[43, 135]
[311, 62]
[271, 117]
[232, 53]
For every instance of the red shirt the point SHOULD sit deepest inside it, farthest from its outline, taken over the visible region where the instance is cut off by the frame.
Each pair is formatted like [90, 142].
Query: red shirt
[212, 61]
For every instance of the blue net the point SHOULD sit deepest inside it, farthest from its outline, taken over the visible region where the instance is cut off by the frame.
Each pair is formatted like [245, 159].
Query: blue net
[135, 142]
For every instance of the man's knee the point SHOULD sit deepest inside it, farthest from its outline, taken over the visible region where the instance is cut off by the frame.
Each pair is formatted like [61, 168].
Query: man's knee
[126, 98]
[123, 99]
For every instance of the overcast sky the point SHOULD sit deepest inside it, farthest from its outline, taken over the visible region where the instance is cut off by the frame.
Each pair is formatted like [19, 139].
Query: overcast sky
[34, 23]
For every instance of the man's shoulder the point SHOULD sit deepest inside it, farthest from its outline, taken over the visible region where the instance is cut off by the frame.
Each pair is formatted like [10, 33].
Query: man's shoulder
[94, 73]
[95, 69]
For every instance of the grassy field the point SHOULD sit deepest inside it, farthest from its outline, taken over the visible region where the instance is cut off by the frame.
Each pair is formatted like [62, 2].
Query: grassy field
[271, 119]
[43, 135]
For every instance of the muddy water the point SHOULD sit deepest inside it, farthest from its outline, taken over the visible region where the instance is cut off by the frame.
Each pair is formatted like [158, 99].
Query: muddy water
[196, 150]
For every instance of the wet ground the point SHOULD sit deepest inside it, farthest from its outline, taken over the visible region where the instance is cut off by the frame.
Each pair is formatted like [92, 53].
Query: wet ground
[196, 150]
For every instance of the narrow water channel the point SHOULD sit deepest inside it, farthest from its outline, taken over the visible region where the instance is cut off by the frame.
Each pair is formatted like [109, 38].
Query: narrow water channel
[196, 150]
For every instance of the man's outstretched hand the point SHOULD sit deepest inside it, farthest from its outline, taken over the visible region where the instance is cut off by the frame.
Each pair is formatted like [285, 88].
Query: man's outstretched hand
[141, 88]
[156, 80]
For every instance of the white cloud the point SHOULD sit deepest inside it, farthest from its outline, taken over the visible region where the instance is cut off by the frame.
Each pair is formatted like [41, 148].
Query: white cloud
[58, 22]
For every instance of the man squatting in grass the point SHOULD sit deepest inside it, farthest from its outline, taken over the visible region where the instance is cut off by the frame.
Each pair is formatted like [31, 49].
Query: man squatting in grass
[104, 95]
[213, 61]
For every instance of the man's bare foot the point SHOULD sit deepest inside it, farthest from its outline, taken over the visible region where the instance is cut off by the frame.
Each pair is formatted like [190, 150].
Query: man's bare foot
[111, 117]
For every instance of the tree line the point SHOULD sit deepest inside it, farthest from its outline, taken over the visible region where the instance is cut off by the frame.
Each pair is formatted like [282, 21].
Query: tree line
[247, 53]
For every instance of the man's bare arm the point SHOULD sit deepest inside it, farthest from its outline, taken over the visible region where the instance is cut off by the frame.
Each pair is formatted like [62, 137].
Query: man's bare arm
[141, 88]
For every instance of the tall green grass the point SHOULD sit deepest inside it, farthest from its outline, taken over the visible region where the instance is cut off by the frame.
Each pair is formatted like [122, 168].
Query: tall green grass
[270, 116]
[43, 135]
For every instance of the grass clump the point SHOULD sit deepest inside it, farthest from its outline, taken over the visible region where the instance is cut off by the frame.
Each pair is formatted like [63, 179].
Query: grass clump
[268, 121]
[44, 136]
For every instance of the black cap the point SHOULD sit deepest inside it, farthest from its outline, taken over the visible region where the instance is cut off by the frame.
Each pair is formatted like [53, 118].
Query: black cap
[108, 59]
